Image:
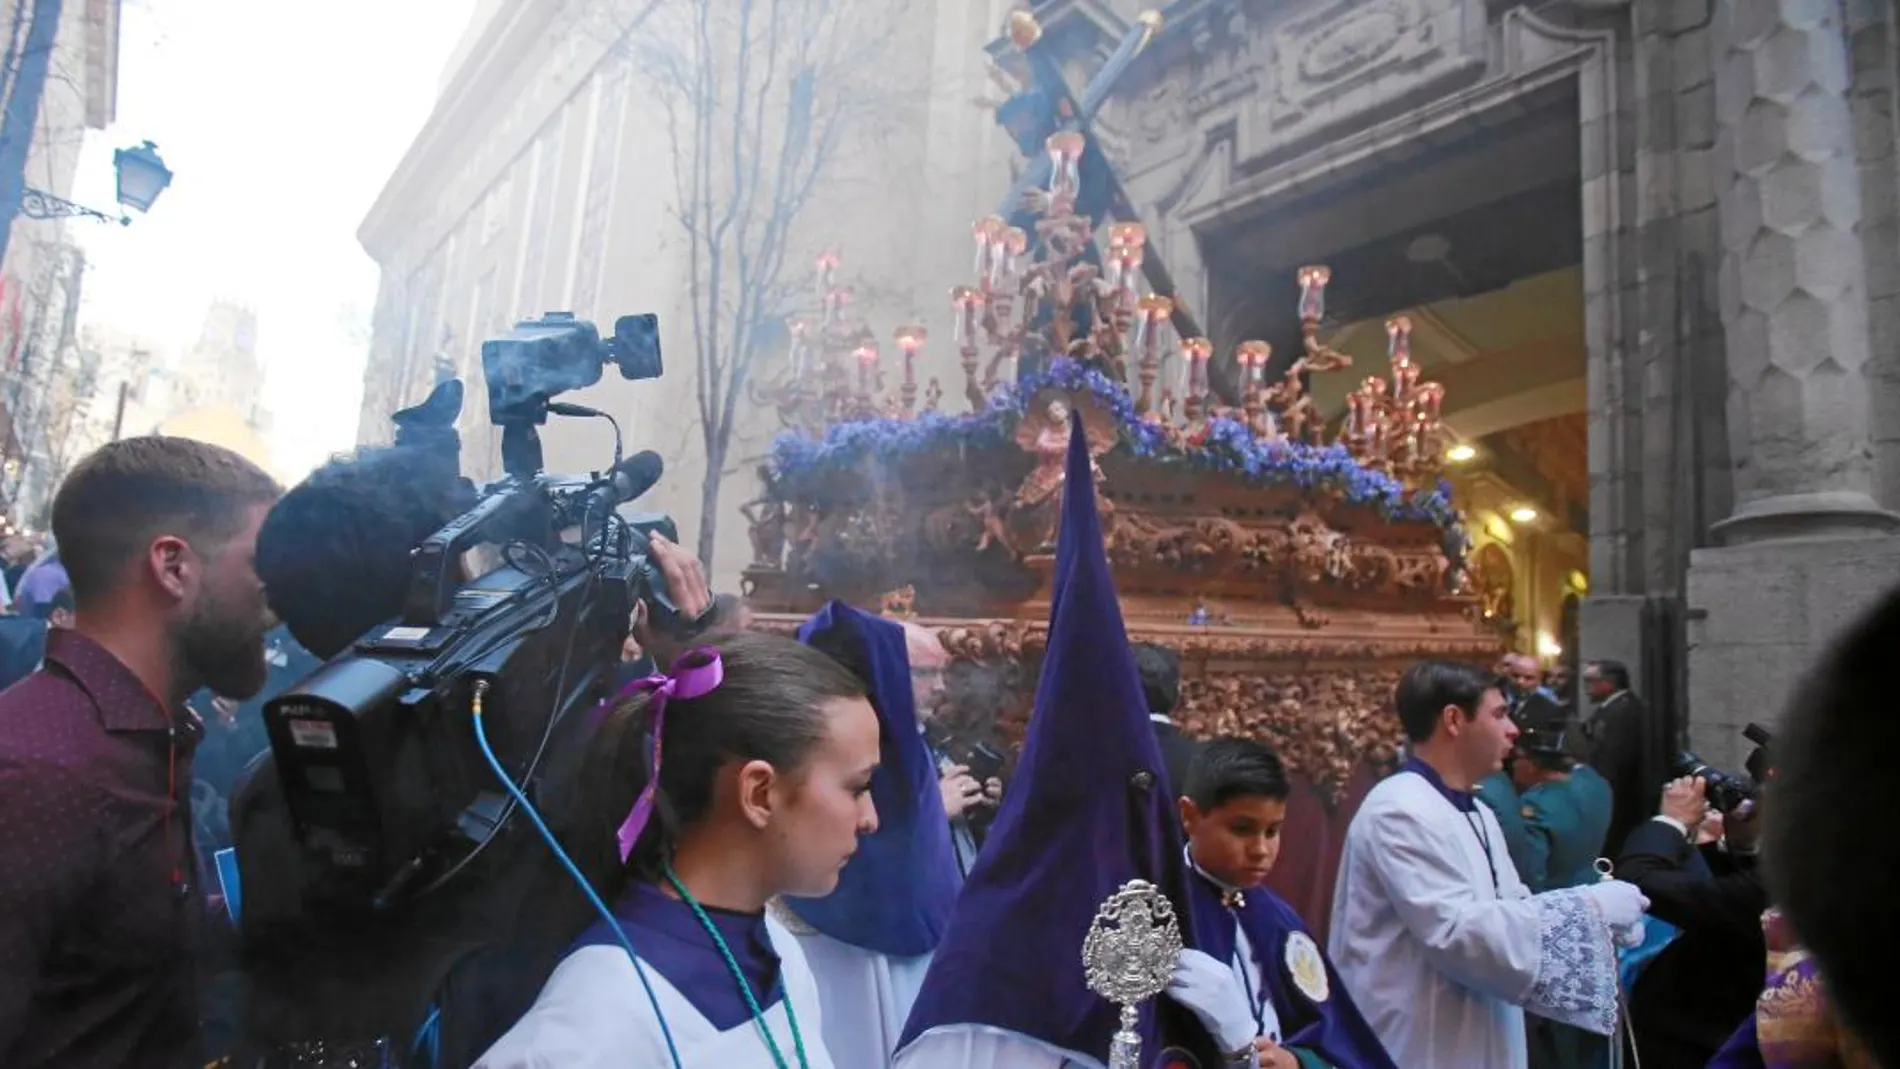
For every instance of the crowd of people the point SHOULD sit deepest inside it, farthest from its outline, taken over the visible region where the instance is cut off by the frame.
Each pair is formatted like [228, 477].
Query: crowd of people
[788, 868]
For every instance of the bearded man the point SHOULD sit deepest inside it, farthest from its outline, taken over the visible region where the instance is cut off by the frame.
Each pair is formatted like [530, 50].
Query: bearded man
[99, 894]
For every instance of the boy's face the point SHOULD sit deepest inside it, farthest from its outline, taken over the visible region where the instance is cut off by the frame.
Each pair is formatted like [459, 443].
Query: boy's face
[1238, 841]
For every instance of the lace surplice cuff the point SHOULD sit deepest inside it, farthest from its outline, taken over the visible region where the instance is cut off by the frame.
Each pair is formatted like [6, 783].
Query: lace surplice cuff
[1576, 977]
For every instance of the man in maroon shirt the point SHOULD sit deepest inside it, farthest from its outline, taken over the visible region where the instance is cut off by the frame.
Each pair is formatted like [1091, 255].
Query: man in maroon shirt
[99, 895]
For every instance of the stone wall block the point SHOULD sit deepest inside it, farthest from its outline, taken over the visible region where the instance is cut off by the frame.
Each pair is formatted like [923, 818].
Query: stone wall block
[1740, 209]
[1761, 138]
[1734, 86]
[1827, 265]
[1693, 63]
[1695, 117]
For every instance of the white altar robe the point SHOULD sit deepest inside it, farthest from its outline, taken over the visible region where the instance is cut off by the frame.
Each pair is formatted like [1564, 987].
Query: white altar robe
[593, 1014]
[1439, 956]
[866, 996]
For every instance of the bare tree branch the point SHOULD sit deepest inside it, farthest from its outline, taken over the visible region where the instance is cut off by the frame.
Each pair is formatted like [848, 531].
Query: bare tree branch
[761, 100]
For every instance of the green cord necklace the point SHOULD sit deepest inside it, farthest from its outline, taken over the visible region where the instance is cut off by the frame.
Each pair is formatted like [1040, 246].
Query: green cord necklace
[732, 966]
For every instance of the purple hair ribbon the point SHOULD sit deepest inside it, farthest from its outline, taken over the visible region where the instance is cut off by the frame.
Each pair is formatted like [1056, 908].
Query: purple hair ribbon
[696, 673]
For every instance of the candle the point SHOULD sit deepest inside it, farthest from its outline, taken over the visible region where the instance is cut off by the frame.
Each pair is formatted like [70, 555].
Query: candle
[984, 231]
[1430, 396]
[1313, 293]
[867, 359]
[1404, 377]
[1065, 156]
[1253, 356]
[827, 272]
[910, 339]
[1130, 271]
[1127, 236]
[1152, 310]
[799, 329]
[1196, 351]
[966, 302]
[1398, 339]
[1006, 257]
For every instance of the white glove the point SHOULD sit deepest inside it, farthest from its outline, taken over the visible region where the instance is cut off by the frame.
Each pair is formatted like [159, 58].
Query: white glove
[1213, 993]
[1630, 936]
[1620, 904]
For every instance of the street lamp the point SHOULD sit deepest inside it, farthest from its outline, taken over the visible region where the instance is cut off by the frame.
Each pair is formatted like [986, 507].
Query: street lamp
[142, 177]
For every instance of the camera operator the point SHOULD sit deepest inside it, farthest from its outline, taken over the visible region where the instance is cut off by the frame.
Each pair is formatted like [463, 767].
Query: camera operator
[1702, 985]
[336, 557]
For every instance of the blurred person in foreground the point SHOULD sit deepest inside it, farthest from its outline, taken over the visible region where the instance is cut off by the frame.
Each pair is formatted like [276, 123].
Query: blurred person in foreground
[100, 898]
[1833, 874]
[1433, 931]
[1233, 807]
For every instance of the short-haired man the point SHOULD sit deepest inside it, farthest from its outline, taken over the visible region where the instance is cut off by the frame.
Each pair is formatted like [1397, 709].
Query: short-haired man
[1617, 742]
[1433, 931]
[963, 794]
[99, 894]
[1160, 672]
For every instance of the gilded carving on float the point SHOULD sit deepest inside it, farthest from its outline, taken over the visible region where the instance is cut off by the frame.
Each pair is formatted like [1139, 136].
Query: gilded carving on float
[1328, 540]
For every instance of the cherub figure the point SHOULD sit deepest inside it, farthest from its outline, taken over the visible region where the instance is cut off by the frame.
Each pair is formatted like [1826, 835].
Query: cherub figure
[1048, 439]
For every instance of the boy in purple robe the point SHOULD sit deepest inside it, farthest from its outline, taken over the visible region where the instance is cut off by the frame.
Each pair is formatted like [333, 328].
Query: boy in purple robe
[1233, 809]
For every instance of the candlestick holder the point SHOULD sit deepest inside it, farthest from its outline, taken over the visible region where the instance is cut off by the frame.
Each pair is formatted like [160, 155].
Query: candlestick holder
[1035, 295]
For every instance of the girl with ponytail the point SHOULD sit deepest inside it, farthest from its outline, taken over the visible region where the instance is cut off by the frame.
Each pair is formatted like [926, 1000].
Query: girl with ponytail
[762, 752]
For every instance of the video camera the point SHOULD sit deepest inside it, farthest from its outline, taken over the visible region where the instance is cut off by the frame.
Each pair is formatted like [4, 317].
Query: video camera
[521, 604]
[1725, 790]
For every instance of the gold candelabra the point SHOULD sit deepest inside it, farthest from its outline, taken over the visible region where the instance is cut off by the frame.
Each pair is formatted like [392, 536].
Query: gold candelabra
[1056, 303]
[834, 371]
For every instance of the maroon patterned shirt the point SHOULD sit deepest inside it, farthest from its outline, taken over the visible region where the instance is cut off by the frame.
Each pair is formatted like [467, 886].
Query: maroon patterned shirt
[99, 902]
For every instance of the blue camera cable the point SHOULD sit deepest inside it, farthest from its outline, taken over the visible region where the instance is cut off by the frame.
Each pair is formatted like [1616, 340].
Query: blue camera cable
[554, 844]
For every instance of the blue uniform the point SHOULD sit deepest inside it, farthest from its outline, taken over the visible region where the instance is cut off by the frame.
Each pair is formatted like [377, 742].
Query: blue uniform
[1499, 795]
[1565, 822]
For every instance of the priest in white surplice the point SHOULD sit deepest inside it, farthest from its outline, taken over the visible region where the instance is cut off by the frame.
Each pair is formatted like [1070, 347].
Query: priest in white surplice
[1440, 943]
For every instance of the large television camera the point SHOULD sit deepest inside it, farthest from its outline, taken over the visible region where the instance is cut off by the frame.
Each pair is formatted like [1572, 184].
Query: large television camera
[522, 603]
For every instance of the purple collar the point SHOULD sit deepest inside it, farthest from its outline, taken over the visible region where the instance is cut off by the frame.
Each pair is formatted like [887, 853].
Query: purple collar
[1463, 801]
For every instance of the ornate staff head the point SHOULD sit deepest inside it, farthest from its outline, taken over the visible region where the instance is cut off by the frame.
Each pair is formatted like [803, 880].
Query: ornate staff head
[1129, 957]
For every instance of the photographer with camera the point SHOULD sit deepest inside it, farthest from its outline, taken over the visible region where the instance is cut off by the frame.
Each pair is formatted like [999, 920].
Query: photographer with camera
[1696, 862]
[967, 787]
[404, 887]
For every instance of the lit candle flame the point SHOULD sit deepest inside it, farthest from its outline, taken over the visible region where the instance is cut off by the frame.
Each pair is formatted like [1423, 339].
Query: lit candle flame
[1313, 281]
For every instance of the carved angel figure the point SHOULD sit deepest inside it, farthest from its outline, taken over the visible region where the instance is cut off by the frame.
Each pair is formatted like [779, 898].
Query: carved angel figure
[1048, 438]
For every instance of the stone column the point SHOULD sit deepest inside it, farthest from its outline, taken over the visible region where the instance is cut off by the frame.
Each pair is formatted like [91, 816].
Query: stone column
[1793, 280]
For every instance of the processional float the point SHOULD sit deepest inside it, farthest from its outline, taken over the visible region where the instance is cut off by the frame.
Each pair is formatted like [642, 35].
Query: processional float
[1298, 559]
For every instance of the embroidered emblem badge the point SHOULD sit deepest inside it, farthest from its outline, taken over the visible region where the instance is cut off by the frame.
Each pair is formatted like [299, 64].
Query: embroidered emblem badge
[1306, 967]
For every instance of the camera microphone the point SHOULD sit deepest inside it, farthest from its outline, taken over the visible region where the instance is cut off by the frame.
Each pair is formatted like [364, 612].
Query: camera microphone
[620, 484]
[631, 477]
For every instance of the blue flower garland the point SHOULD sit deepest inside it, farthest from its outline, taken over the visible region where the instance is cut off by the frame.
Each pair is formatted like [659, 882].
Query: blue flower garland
[807, 469]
